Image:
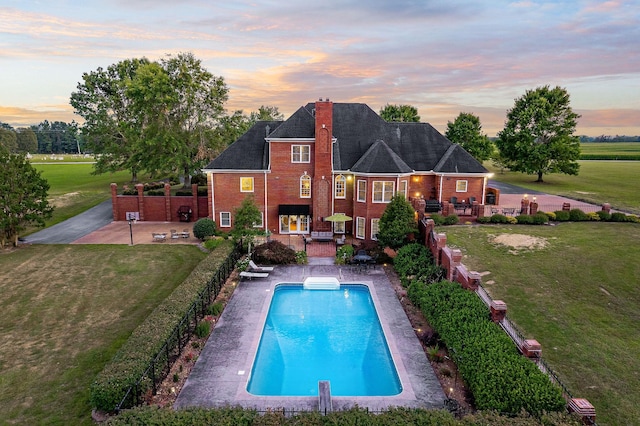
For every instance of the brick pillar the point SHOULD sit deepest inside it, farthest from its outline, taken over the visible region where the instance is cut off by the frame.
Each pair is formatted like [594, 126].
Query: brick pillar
[476, 210]
[498, 310]
[584, 409]
[474, 280]
[114, 201]
[566, 207]
[195, 215]
[606, 207]
[533, 208]
[140, 189]
[447, 208]
[531, 348]
[524, 205]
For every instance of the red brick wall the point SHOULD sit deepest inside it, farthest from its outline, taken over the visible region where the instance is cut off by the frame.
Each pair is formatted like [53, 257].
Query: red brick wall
[227, 194]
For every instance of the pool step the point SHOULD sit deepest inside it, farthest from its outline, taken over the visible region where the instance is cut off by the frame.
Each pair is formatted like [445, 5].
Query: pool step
[321, 283]
[324, 397]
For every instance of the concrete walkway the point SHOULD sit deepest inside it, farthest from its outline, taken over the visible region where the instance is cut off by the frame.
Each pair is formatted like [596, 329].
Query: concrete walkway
[221, 374]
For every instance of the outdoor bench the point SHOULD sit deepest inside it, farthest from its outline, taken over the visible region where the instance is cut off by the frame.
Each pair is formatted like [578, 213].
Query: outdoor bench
[322, 235]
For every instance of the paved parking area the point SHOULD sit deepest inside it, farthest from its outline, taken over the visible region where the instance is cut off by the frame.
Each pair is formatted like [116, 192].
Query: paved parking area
[220, 376]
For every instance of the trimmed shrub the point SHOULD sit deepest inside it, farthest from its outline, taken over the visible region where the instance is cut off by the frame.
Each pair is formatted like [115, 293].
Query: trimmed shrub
[603, 215]
[633, 218]
[215, 309]
[301, 257]
[155, 193]
[202, 191]
[184, 193]
[200, 179]
[540, 218]
[212, 243]
[274, 253]
[203, 329]
[481, 349]
[551, 215]
[499, 218]
[344, 253]
[437, 218]
[203, 228]
[132, 359]
[452, 219]
[415, 262]
[618, 217]
[484, 219]
[593, 216]
[562, 215]
[524, 219]
[130, 191]
[577, 215]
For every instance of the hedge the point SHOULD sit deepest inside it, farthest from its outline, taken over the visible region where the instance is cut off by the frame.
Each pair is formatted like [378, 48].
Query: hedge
[399, 416]
[498, 376]
[129, 363]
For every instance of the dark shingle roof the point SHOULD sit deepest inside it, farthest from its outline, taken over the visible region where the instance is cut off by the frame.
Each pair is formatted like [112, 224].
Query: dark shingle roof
[249, 152]
[365, 143]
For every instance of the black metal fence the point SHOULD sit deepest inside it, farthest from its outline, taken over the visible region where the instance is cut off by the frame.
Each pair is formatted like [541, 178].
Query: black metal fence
[161, 362]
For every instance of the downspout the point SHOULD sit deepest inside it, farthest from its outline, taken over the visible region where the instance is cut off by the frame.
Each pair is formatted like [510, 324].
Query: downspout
[440, 191]
[484, 190]
[213, 199]
[266, 206]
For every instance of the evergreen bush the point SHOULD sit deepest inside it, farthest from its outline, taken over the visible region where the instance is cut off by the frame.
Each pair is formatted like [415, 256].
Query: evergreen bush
[203, 228]
[562, 215]
[451, 219]
[577, 215]
[604, 216]
[618, 217]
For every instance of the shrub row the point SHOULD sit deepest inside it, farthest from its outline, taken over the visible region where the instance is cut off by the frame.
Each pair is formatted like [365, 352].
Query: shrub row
[625, 157]
[573, 215]
[439, 219]
[415, 262]
[498, 376]
[131, 360]
[356, 416]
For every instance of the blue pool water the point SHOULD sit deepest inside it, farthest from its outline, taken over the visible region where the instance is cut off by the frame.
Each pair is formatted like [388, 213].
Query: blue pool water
[312, 335]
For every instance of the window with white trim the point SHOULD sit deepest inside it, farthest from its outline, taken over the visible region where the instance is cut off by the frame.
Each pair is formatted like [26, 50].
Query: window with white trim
[375, 228]
[461, 185]
[300, 153]
[360, 225]
[246, 184]
[382, 191]
[225, 219]
[305, 186]
[341, 187]
[404, 188]
[261, 223]
[362, 191]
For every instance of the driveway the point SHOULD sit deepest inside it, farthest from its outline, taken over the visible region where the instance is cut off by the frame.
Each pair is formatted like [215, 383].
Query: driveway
[507, 188]
[75, 227]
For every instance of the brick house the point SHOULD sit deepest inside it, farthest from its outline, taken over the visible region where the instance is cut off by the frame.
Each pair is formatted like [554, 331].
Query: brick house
[337, 158]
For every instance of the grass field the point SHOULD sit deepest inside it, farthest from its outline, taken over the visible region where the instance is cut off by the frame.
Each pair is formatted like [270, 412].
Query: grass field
[64, 311]
[578, 297]
[598, 182]
[619, 150]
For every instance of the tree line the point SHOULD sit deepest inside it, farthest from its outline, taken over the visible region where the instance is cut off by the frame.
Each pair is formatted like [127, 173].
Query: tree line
[55, 137]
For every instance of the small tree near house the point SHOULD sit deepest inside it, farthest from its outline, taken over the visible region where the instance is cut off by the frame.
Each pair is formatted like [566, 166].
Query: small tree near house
[396, 223]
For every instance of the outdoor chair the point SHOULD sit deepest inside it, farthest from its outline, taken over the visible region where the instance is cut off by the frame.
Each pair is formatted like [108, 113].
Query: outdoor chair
[257, 268]
[252, 275]
[174, 234]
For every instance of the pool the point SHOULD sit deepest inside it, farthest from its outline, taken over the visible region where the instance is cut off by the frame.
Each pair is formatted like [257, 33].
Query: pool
[325, 333]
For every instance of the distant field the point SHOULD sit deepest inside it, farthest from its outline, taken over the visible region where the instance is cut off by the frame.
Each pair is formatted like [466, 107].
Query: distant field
[610, 151]
[614, 182]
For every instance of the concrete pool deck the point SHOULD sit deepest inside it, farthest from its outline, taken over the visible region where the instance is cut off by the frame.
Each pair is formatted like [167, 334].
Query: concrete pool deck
[221, 373]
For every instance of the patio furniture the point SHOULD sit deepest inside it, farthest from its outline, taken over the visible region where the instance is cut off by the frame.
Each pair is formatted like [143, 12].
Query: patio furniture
[184, 213]
[432, 206]
[185, 233]
[256, 268]
[324, 236]
[159, 237]
[340, 241]
[252, 275]
[174, 234]
[508, 211]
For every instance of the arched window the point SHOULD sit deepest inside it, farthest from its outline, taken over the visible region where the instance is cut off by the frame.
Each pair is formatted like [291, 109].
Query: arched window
[305, 186]
[341, 187]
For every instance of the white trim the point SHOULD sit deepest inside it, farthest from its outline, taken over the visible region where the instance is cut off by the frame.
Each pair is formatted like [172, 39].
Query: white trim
[252, 183]
[300, 183]
[308, 153]
[377, 220]
[261, 224]
[225, 226]
[466, 185]
[373, 191]
[344, 187]
[358, 182]
[364, 222]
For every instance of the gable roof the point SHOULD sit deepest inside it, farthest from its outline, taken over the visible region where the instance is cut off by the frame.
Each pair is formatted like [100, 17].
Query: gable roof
[364, 143]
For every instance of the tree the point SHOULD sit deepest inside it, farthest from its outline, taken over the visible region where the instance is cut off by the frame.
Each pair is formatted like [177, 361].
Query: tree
[9, 140]
[266, 113]
[396, 223]
[401, 113]
[23, 197]
[180, 104]
[538, 136]
[111, 130]
[246, 217]
[466, 131]
[27, 141]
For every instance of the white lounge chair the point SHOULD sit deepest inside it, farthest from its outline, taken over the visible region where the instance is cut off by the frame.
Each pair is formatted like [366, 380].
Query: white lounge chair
[255, 268]
[251, 275]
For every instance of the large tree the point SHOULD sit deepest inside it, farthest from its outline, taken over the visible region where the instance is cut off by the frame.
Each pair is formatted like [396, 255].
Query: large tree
[466, 131]
[111, 130]
[8, 139]
[396, 223]
[538, 137]
[23, 197]
[180, 104]
[27, 141]
[400, 113]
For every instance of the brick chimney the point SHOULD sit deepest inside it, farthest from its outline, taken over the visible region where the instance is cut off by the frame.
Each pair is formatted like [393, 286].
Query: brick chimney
[323, 164]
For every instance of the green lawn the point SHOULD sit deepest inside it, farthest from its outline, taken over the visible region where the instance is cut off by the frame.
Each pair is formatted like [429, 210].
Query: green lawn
[617, 150]
[614, 182]
[64, 311]
[578, 297]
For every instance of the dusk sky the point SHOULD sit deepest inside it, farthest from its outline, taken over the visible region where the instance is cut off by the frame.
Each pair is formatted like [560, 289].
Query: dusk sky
[443, 57]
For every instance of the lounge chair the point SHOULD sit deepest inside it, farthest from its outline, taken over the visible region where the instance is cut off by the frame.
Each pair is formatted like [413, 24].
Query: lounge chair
[255, 268]
[251, 275]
